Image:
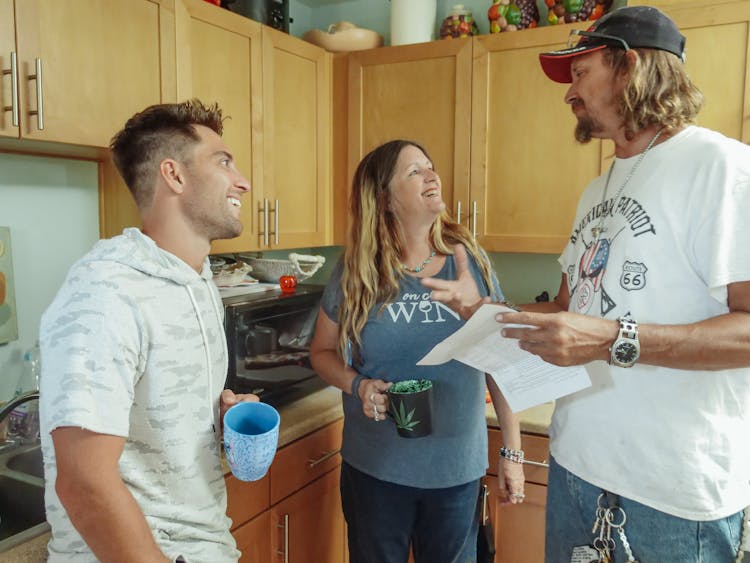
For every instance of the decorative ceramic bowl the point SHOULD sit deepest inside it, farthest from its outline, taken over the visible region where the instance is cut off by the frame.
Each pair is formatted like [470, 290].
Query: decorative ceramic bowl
[343, 37]
[232, 274]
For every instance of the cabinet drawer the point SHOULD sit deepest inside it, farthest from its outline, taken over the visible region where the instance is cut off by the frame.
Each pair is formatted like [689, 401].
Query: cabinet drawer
[536, 449]
[246, 499]
[305, 459]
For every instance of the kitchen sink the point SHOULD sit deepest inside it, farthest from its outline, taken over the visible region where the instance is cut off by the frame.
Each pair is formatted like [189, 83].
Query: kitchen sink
[22, 515]
[28, 461]
[21, 506]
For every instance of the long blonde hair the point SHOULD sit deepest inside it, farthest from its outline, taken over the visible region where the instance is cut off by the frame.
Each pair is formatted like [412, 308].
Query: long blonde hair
[372, 268]
[658, 91]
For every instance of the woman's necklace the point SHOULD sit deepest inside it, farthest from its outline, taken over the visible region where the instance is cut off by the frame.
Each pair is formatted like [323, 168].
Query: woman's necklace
[421, 266]
[599, 229]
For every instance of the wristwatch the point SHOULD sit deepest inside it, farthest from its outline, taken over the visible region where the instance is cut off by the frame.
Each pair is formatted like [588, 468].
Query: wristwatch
[626, 349]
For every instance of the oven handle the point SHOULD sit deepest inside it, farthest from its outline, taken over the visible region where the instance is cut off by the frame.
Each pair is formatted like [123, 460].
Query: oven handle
[327, 455]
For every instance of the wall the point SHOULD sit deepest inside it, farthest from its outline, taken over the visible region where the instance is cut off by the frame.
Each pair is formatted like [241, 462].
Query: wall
[375, 14]
[52, 208]
[522, 276]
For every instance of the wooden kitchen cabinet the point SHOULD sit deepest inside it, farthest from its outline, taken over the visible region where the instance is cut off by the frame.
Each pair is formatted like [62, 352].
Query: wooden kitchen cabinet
[527, 170]
[297, 142]
[254, 539]
[276, 90]
[219, 61]
[718, 42]
[519, 184]
[310, 524]
[519, 528]
[294, 513]
[100, 62]
[415, 92]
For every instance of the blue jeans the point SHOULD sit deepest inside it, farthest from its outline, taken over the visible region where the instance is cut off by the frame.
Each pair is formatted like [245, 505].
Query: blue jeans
[383, 519]
[654, 536]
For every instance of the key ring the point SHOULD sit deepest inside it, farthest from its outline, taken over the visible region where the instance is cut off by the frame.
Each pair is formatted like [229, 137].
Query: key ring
[610, 518]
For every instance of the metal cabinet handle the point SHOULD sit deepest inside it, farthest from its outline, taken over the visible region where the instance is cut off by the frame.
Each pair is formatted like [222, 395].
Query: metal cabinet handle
[458, 212]
[285, 525]
[536, 463]
[474, 218]
[13, 71]
[263, 210]
[327, 455]
[485, 494]
[39, 101]
[276, 213]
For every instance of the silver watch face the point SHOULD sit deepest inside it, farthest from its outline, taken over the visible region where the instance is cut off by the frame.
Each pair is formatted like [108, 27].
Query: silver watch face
[625, 352]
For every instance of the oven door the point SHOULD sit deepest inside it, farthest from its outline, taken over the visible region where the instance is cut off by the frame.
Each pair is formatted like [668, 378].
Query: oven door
[270, 347]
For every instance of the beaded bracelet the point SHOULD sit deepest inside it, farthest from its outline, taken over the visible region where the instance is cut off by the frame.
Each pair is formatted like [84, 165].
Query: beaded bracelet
[515, 456]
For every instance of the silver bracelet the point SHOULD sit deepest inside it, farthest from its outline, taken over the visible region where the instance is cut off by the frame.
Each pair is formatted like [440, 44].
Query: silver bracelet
[515, 456]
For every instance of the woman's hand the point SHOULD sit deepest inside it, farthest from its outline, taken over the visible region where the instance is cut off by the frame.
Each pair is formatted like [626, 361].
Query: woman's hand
[461, 294]
[511, 480]
[372, 394]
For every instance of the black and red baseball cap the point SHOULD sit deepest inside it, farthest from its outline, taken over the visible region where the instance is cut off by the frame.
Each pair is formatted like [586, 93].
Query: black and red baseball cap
[626, 28]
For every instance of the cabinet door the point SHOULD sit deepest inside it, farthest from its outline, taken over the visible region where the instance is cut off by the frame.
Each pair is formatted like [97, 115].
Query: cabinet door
[725, 37]
[527, 170]
[519, 528]
[726, 86]
[7, 51]
[100, 63]
[306, 459]
[309, 525]
[219, 60]
[254, 539]
[297, 137]
[420, 93]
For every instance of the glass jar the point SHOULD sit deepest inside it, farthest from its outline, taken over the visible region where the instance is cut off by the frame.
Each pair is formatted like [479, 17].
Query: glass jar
[458, 23]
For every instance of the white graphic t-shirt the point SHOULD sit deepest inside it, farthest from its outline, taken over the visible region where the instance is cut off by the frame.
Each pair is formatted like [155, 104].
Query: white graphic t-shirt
[671, 243]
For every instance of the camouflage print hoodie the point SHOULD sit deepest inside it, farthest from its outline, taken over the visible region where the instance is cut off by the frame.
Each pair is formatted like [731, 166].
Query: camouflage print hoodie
[133, 346]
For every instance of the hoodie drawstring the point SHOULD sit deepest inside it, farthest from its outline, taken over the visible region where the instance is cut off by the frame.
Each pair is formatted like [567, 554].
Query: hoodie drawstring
[206, 353]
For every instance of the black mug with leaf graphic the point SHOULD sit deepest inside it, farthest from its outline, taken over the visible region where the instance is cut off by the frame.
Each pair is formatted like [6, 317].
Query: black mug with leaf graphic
[410, 407]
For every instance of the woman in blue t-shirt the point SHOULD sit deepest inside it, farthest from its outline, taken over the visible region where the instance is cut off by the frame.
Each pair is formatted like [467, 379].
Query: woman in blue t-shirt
[376, 322]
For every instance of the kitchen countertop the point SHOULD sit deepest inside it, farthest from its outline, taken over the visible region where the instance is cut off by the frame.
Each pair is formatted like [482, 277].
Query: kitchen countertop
[298, 419]
[324, 406]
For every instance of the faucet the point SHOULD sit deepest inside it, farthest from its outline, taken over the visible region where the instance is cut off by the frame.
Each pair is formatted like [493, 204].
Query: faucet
[7, 408]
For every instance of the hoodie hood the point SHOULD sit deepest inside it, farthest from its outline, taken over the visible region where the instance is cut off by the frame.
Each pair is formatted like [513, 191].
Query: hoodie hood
[137, 250]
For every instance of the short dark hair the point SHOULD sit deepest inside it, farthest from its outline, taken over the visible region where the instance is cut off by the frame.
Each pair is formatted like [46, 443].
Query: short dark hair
[158, 132]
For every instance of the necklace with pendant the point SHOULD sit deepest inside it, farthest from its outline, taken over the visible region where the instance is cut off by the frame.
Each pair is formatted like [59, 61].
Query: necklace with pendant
[421, 266]
[599, 229]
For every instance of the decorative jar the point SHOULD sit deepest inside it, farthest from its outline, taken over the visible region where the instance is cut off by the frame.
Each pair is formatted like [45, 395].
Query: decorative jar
[458, 23]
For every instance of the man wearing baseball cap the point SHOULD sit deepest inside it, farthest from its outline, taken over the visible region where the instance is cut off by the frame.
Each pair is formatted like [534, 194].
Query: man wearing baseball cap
[655, 301]
[651, 463]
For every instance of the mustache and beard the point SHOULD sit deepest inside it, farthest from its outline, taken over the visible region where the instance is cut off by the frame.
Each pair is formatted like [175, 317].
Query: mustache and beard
[586, 125]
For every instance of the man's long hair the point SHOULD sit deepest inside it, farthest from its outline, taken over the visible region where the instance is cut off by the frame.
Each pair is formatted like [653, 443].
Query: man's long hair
[658, 91]
[372, 266]
[158, 132]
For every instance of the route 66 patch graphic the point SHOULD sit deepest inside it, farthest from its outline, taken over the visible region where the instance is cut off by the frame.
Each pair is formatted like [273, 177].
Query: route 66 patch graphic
[633, 276]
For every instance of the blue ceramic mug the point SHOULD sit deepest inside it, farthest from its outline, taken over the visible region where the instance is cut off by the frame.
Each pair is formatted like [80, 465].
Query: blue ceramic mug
[251, 435]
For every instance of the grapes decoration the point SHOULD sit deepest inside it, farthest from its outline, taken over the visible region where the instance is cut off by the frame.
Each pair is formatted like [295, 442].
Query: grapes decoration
[568, 11]
[510, 15]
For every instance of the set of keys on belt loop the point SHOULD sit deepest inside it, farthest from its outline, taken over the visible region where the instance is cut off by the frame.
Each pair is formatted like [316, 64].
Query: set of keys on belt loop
[610, 518]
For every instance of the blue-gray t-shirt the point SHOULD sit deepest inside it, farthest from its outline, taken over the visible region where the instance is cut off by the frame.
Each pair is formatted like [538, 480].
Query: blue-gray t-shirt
[392, 342]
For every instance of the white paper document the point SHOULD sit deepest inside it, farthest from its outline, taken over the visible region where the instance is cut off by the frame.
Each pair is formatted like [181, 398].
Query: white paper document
[524, 378]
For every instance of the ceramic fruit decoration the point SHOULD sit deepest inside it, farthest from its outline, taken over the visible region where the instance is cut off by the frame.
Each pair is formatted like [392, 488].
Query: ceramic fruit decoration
[459, 23]
[567, 11]
[510, 15]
